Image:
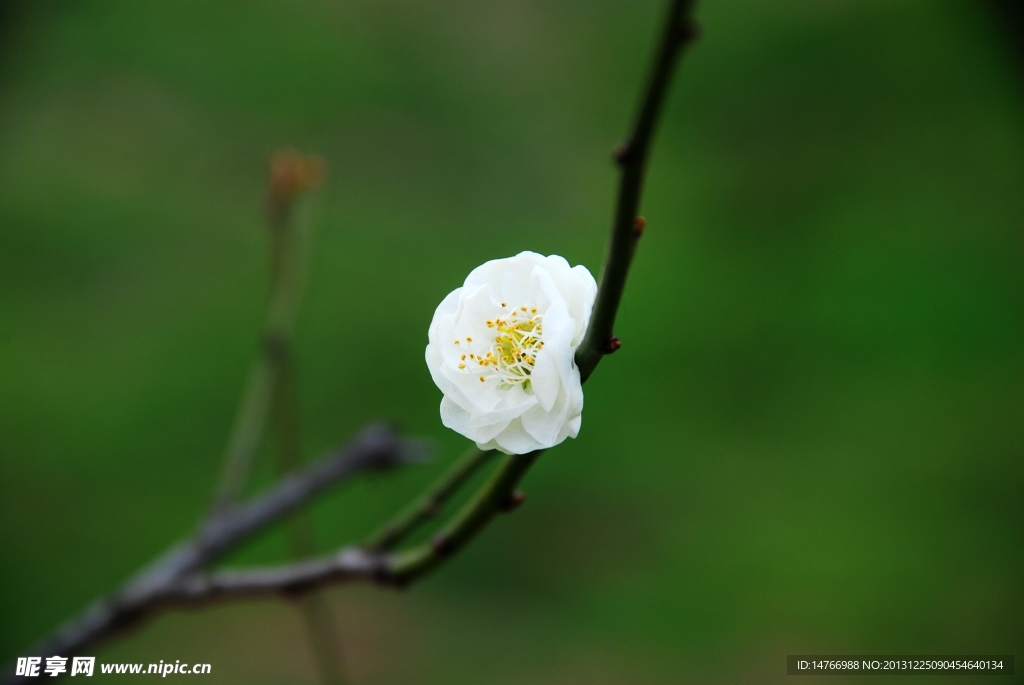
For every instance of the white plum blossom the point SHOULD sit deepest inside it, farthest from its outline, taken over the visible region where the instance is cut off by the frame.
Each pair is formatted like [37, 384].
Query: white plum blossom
[501, 348]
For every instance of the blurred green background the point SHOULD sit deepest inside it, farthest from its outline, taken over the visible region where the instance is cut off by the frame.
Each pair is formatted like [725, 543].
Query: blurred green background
[812, 440]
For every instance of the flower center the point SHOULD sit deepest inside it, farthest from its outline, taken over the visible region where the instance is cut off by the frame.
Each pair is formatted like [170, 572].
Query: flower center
[513, 353]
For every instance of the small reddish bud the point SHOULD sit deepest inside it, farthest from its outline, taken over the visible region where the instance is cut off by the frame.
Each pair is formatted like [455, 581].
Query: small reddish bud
[639, 224]
[623, 153]
[613, 345]
[690, 31]
[514, 501]
[290, 174]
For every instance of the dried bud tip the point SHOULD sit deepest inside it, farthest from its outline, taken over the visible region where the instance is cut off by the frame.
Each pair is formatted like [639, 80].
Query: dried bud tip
[639, 224]
[291, 173]
[513, 501]
[690, 31]
[613, 345]
[623, 153]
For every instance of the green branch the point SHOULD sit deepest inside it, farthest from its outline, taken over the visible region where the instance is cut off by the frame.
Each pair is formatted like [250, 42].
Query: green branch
[430, 503]
[497, 494]
[628, 225]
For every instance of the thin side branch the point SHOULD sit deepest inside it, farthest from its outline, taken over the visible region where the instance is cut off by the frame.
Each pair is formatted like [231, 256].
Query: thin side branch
[496, 495]
[288, 209]
[373, 563]
[375, 449]
[360, 563]
[429, 504]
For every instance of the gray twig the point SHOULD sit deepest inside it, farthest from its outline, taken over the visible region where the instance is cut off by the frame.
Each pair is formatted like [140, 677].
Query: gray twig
[175, 577]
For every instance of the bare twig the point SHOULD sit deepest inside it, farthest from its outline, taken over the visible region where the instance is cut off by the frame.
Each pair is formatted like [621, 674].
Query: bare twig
[496, 495]
[288, 580]
[680, 30]
[430, 502]
[375, 449]
[357, 563]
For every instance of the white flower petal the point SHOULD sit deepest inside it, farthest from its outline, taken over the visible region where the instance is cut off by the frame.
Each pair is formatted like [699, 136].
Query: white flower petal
[477, 308]
[486, 434]
[582, 293]
[501, 388]
[558, 330]
[455, 417]
[553, 362]
[515, 440]
[469, 391]
[572, 428]
[518, 274]
[512, 407]
[545, 380]
[449, 305]
[544, 426]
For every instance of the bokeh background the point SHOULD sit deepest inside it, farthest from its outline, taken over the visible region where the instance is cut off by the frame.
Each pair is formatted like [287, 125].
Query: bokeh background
[812, 440]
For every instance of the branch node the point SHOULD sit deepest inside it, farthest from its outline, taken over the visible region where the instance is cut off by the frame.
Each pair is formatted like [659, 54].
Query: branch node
[612, 346]
[690, 32]
[513, 501]
[624, 153]
[639, 224]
